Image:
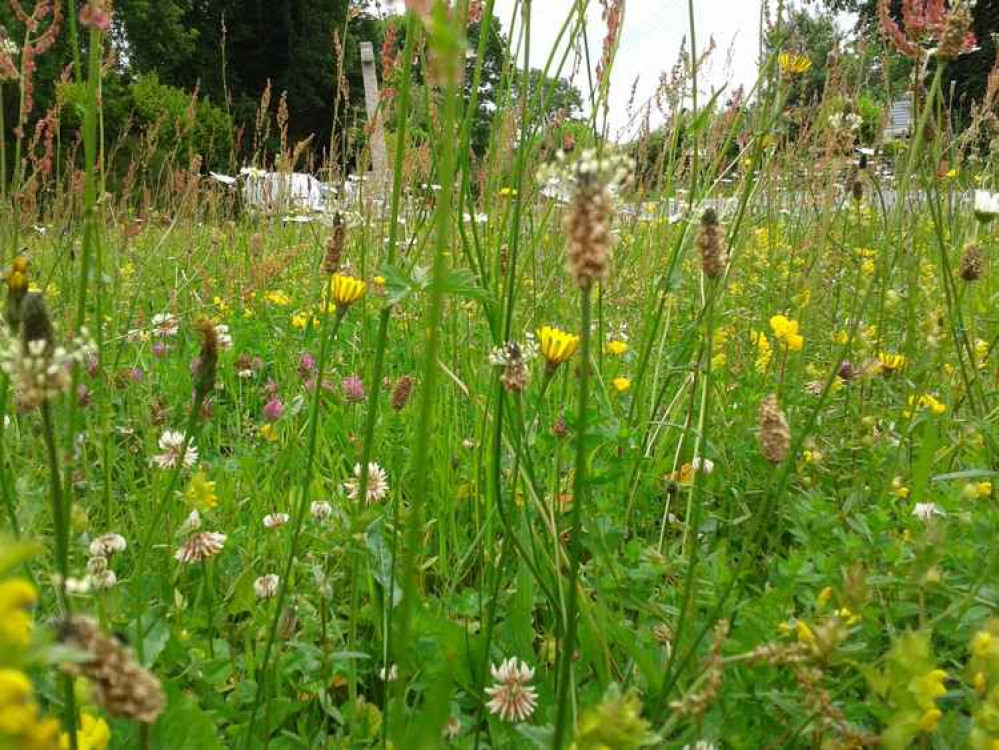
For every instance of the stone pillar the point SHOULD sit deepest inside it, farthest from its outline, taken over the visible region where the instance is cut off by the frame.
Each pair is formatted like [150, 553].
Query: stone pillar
[379, 159]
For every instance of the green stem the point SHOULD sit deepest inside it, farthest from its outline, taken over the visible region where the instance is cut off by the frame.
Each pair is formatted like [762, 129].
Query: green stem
[60, 521]
[575, 530]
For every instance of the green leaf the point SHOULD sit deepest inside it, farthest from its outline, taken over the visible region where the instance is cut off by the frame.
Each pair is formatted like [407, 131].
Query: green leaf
[15, 553]
[184, 726]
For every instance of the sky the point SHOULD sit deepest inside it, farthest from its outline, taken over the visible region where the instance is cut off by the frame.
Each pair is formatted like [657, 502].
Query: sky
[651, 36]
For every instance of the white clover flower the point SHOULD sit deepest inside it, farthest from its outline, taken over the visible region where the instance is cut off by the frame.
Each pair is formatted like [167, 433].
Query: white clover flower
[378, 485]
[107, 545]
[223, 335]
[321, 510]
[200, 546]
[705, 465]
[165, 325]
[171, 443]
[266, 587]
[511, 697]
[925, 512]
[273, 520]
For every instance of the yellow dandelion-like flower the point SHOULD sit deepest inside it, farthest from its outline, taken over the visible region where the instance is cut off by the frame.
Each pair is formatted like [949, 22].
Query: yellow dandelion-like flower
[890, 363]
[346, 290]
[794, 63]
[278, 297]
[268, 433]
[621, 384]
[617, 348]
[557, 346]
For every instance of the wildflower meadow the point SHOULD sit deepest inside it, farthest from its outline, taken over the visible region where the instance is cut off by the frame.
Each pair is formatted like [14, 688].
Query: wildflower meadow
[365, 384]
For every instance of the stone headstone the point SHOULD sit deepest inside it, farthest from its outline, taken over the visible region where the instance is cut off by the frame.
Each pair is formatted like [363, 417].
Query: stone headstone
[379, 159]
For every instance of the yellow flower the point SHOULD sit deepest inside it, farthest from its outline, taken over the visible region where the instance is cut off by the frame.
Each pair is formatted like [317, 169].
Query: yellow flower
[794, 63]
[557, 346]
[763, 351]
[379, 280]
[16, 597]
[980, 682]
[621, 384]
[279, 298]
[930, 720]
[508, 192]
[268, 433]
[300, 320]
[983, 643]
[617, 348]
[868, 267]
[93, 734]
[926, 401]
[786, 330]
[928, 688]
[890, 363]
[825, 595]
[201, 492]
[805, 634]
[848, 616]
[901, 491]
[346, 290]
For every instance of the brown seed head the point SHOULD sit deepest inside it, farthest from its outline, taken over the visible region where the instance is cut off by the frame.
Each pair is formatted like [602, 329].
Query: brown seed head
[208, 359]
[774, 434]
[120, 685]
[955, 35]
[711, 245]
[401, 393]
[972, 263]
[588, 227]
[335, 244]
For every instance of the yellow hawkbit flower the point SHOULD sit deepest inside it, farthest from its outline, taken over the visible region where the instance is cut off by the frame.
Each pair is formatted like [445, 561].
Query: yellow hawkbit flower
[346, 290]
[278, 297]
[617, 348]
[621, 384]
[890, 363]
[794, 63]
[557, 346]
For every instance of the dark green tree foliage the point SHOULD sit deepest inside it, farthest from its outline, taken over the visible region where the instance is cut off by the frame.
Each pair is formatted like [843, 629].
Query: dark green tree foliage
[231, 49]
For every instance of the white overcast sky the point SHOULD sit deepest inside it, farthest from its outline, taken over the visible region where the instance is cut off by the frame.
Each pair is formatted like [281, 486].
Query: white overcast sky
[650, 42]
